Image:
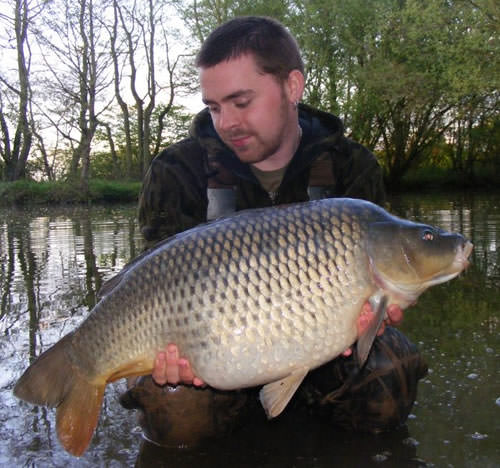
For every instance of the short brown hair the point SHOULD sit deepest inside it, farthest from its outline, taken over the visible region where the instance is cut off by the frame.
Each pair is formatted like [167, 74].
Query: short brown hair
[274, 48]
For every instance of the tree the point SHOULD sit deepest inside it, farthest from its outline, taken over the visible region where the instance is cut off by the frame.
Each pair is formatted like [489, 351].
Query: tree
[474, 132]
[202, 16]
[73, 50]
[406, 77]
[144, 32]
[15, 149]
[115, 54]
[401, 71]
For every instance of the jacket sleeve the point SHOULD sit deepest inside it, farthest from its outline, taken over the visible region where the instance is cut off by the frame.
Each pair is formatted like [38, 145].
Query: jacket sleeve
[359, 175]
[173, 197]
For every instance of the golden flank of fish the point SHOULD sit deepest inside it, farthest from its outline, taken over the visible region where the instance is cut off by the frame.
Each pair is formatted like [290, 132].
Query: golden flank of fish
[258, 298]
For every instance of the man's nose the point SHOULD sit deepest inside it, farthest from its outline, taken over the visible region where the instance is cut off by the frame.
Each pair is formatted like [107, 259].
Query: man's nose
[228, 118]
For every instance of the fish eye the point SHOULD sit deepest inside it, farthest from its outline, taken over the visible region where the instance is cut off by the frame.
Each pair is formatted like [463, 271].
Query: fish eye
[427, 235]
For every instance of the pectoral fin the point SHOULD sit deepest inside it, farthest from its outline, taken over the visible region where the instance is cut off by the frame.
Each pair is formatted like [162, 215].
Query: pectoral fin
[275, 395]
[366, 340]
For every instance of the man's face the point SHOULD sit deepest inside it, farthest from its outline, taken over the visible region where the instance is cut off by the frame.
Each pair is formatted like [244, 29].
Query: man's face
[252, 112]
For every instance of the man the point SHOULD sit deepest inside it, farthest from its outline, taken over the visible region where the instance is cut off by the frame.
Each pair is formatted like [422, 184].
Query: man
[253, 146]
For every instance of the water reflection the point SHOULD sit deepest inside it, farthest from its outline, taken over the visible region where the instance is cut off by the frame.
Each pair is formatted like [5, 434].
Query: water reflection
[54, 260]
[475, 216]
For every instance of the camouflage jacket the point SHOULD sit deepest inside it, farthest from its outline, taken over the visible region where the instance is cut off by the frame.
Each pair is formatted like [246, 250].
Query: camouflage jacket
[200, 178]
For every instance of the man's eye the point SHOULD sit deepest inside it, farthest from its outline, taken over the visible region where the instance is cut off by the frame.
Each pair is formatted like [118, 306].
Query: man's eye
[213, 109]
[242, 104]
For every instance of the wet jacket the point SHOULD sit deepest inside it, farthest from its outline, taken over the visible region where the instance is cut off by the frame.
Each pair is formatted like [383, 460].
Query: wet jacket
[200, 178]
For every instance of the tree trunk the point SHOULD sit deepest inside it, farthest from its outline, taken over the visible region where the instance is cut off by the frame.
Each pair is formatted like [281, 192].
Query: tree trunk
[16, 152]
[121, 102]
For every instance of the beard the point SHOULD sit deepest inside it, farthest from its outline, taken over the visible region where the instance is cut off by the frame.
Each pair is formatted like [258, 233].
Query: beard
[260, 147]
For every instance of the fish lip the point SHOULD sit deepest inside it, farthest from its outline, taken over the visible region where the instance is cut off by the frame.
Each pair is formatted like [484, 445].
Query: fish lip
[461, 262]
[464, 253]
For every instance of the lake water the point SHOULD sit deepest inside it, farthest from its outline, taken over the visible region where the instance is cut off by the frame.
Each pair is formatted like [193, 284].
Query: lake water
[53, 261]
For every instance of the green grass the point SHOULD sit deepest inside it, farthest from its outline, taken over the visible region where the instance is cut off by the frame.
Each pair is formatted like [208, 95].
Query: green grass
[116, 191]
[63, 192]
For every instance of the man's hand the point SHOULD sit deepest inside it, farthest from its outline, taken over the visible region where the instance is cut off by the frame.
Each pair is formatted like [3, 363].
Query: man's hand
[395, 317]
[169, 368]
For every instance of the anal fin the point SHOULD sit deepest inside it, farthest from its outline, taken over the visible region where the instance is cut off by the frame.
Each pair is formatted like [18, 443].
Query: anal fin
[275, 395]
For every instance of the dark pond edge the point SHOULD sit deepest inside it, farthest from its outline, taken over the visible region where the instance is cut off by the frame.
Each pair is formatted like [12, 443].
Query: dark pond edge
[27, 192]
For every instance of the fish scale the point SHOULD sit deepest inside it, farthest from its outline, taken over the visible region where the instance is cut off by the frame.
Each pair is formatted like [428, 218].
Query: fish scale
[260, 297]
[291, 297]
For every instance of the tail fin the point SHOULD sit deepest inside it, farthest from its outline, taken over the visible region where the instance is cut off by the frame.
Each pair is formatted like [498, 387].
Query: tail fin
[52, 380]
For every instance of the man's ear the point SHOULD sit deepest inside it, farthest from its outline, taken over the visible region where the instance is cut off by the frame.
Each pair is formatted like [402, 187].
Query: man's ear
[295, 85]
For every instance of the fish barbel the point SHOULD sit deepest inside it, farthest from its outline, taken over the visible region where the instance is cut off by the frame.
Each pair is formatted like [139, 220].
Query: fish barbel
[257, 298]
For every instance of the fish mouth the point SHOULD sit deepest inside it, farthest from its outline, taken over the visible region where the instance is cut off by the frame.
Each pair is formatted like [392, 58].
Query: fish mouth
[407, 294]
[462, 259]
[460, 263]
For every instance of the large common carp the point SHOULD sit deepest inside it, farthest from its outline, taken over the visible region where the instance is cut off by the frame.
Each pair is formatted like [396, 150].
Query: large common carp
[260, 297]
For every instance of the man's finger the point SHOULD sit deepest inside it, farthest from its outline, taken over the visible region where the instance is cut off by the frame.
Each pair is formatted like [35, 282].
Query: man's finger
[395, 314]
[187, 375]
[160, 368]
[172, 367]
[197, 382]
[185, 372]
[347, 352]
[366, 317]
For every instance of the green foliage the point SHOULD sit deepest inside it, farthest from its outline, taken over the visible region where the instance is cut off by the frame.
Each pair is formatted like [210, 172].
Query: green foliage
[403, 75]
[31, 192]
[103, 166]
[202, 16]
